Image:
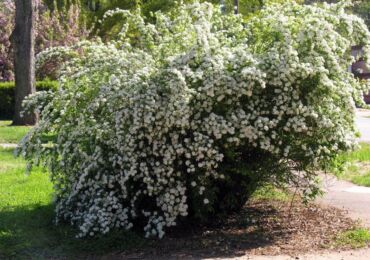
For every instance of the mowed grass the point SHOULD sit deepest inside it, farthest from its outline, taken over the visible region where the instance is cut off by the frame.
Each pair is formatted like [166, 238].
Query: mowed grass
[356, 165]
[360, 155]
[356, 238]
[269, 192]
[27, 229]
[12, 134]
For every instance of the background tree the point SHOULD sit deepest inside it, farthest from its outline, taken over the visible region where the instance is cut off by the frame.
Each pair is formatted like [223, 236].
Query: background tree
[23, 38]
[7, 10]
[53, 27]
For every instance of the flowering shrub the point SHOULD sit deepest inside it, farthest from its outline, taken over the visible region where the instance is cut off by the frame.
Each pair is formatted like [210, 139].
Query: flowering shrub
[185, 118]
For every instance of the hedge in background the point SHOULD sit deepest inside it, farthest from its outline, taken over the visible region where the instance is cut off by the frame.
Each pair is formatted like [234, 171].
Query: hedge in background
[7, 96]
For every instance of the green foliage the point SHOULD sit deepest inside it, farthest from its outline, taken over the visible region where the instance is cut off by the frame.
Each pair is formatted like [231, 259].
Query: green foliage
[60, 4]
[96, 9]
[7, 96]
[362, 8]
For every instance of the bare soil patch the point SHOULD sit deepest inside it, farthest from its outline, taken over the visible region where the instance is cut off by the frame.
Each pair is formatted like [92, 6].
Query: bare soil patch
[264, 227]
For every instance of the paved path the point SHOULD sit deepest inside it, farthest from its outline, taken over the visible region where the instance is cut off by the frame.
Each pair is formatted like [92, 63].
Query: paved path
[345, 195]
[8, 145]
[362, 254]
[348, 196]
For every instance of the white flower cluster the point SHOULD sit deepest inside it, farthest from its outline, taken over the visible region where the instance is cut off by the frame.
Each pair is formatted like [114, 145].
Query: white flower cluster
[141, 125]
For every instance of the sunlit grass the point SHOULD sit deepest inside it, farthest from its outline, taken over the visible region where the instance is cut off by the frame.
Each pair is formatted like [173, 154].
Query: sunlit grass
[27, 229]
[356, 166]
[362, 180]
[12, 134]
[361, 155]
[356, 238]
[269, 192]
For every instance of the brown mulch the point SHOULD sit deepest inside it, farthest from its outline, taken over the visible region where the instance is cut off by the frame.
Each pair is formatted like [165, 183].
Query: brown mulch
[262, 228]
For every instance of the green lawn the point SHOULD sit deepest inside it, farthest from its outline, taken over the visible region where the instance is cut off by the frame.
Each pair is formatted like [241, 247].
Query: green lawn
[356, 166]
[356, 238]
[27, 230]
[11, 134]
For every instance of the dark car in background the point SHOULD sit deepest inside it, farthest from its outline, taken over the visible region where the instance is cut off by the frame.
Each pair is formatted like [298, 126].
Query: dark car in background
[359, 68]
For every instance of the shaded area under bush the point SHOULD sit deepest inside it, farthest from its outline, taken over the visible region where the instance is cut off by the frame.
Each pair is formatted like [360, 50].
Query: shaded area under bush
[263, 227]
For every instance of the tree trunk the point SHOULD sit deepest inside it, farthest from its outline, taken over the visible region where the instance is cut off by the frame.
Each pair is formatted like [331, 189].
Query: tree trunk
[236, 6]
[24, 59]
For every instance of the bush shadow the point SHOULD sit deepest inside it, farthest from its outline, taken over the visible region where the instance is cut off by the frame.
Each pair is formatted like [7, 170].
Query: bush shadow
[30, 232]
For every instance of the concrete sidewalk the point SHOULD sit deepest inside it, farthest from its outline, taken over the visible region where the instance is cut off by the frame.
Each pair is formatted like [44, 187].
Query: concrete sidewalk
[363, 124]
[348, 196]
[355, 200]
[361, 254]
[8, 145]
